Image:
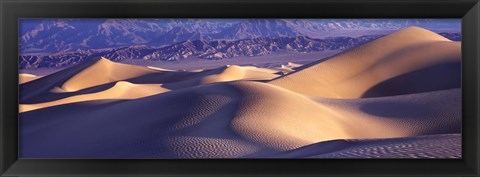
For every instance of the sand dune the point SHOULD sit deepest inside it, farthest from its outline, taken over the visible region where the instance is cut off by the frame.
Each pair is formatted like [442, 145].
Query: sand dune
[421, 59]
[429, 146]
[24, 78]
[398, 96]
[233, 72]
[121, 90]
[93, 72]
[253, 115]
[102, 72]
[267, 116]
[99, 73]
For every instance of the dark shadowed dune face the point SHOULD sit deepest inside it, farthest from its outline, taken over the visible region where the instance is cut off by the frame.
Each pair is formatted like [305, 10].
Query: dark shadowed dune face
[441, 76]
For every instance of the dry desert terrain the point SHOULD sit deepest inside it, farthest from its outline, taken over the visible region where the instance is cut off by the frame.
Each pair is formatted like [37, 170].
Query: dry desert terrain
[398, 96]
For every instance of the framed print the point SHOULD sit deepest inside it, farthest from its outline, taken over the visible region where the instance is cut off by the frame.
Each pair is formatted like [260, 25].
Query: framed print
[239, 88]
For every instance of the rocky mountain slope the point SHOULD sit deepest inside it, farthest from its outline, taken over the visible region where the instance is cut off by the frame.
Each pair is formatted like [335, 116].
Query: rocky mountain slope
[203, 49]
[51, 36]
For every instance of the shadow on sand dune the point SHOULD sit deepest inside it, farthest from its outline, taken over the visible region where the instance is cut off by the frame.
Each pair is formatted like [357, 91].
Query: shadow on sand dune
[440, 76]
[43, 85]
[105, 129]
[226, 112]
[49, 96]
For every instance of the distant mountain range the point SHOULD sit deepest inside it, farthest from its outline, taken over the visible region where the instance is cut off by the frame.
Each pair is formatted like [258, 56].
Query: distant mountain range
[204, 49]
[70, 35]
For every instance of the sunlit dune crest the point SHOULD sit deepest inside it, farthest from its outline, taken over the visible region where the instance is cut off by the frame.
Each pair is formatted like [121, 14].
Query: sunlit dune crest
[234, 72]
[24, 78]
[120, 91]
[159, 69]
[393, 97]
[405, 53]
[102, 72]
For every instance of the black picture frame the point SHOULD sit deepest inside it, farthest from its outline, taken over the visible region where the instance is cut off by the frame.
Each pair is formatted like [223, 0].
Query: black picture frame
[12, 10]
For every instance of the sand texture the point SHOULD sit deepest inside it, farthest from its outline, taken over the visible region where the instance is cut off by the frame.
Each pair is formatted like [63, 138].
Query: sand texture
[398, 96]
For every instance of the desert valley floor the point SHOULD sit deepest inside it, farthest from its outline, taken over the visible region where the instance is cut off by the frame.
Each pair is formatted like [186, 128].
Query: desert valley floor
[398, 96]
